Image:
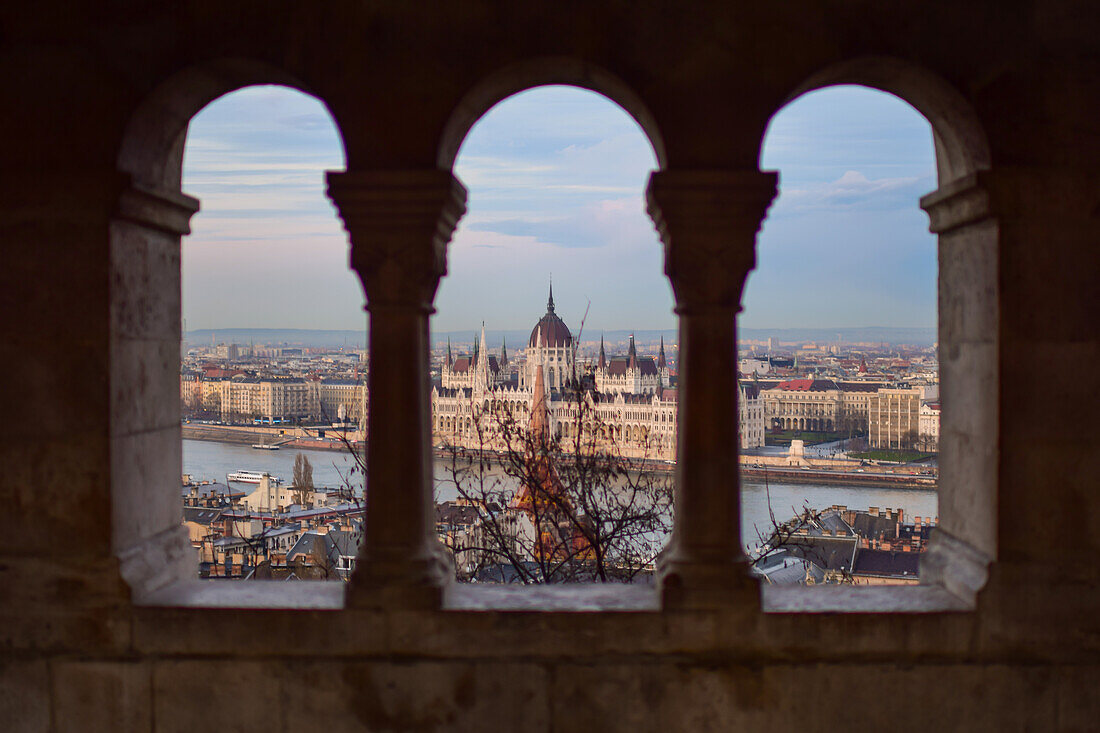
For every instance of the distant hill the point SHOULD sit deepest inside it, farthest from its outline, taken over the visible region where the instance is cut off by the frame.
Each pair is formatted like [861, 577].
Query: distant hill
[277, 336]
[516, 338]
[861, 334]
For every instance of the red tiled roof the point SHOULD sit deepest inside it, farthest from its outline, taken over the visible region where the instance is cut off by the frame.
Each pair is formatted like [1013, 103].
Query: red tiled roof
[618, 365]
[797, 385]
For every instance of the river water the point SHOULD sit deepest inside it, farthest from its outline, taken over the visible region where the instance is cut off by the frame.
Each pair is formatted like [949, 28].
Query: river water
[211, 461]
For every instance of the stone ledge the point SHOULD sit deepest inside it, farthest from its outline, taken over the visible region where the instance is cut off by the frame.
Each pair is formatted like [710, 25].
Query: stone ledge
[323, 595]
[557, 598]
[303, 595]
[846, 599]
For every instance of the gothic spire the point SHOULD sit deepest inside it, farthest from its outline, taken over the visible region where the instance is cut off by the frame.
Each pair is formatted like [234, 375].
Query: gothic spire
[550, 301]
[482, 351]
[661, 356]
[540, 413]
[632, 355]
[603, 359]
[503, 351]
[449, 360]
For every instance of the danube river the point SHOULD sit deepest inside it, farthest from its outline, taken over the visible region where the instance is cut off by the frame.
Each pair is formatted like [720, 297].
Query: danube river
[210, 461]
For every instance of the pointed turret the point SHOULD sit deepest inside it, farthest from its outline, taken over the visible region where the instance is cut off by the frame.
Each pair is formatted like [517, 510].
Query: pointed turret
[550, 300]
[632, 355]
[503, 352]
[603, 358]
[540, 414]
[450, 361]
[661, 356]
[482, 374]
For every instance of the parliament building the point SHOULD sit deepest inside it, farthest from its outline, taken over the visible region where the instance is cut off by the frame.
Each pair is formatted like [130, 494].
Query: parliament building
[630, 400]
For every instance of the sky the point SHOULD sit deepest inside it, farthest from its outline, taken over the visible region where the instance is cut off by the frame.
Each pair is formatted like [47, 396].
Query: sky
[556, 179]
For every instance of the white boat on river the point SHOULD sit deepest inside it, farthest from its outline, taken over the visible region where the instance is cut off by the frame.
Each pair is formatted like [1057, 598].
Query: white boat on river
[252, 477]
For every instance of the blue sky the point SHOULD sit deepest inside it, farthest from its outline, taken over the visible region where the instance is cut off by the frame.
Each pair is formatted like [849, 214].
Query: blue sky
[555, 178]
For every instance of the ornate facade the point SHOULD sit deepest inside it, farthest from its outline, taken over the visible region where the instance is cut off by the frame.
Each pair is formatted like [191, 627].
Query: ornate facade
[630, 399]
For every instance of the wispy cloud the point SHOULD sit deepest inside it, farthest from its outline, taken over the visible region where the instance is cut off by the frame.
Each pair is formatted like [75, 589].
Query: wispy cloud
[599, 223]
[852, 190]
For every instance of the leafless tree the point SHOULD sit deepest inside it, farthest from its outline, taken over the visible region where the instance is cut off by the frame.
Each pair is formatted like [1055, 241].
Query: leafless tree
[851, 420]
[303, 479]
[558, 509]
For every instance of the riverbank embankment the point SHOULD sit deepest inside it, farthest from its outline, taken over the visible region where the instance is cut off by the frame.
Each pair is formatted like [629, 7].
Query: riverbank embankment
[298, 438]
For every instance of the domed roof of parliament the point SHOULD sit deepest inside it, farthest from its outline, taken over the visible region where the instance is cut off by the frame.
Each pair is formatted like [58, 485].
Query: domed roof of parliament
[551, 330]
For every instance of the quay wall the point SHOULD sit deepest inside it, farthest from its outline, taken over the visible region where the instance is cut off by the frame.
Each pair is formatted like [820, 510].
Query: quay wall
[285, 436]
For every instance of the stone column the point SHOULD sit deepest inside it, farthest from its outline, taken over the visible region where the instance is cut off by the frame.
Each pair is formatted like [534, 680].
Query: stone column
[145, 308]
[399, 223]
[1009, 365]
[707, 220]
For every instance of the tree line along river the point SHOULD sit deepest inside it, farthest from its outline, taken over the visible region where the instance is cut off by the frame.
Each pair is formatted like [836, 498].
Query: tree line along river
[210, 461]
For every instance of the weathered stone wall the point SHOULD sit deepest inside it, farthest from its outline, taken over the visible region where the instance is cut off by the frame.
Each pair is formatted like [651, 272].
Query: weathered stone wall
[98, 98]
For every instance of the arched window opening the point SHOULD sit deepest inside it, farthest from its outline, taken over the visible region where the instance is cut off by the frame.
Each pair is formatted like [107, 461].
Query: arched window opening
[558, 266]
[274, 362]
[838, 348]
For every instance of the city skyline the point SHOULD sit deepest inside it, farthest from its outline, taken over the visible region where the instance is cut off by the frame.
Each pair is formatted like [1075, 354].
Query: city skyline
[555, 177]
[517, 338]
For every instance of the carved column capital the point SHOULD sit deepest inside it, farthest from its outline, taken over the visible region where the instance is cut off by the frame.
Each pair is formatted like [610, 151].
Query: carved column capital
[166, 211]
[707, 221]
[1010, 193]
[399, 223]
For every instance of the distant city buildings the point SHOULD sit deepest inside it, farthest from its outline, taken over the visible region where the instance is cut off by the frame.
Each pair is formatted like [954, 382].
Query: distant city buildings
[242, 395]
[841, 545]
[272, 531]
[886, 393]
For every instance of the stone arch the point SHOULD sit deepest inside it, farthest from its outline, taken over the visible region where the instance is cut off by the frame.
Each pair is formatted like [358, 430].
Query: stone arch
[151, 216]
[151, 149]
[543, 71]
[965, 223]
[961, 145]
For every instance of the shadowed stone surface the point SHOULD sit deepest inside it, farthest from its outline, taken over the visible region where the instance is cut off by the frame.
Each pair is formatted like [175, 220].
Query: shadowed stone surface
[100, 629]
